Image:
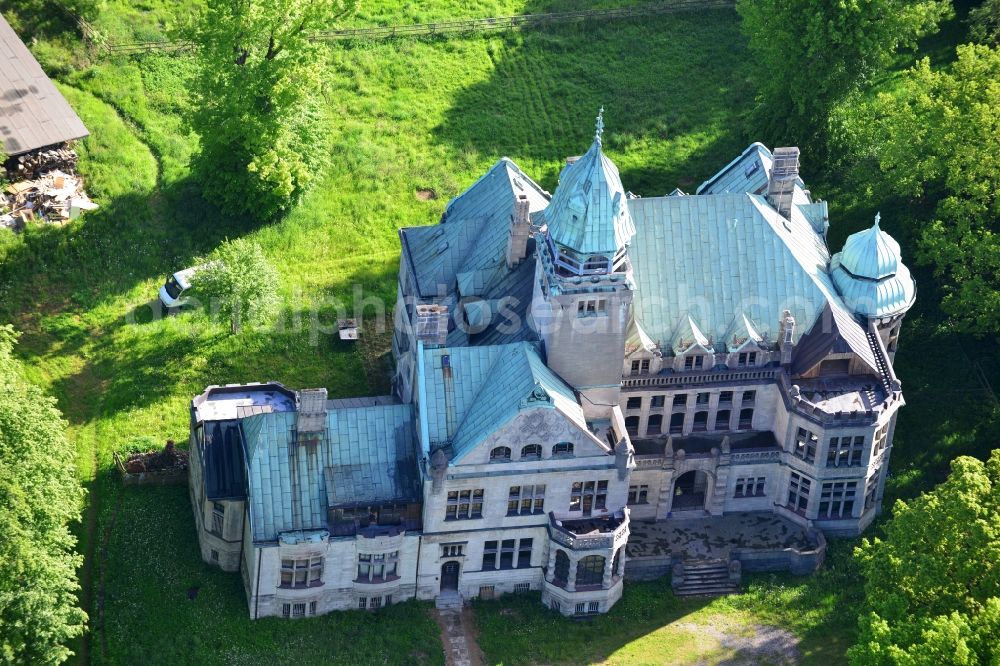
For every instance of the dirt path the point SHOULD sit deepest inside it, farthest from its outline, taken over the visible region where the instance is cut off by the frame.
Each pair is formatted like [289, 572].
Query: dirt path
[458, 638]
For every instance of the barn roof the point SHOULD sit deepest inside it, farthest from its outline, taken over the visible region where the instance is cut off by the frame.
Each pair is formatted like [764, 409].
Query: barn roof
[33, 114]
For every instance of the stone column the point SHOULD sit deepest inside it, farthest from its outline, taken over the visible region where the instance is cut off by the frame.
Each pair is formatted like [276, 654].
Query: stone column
[621, 562]
[571, 578]
[608, 571]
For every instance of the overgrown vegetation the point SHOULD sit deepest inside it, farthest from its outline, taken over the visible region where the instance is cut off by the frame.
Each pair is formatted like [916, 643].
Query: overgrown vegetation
[400, 116]
[932, 590]
[808, 56]
[258, 109]
[40, 495]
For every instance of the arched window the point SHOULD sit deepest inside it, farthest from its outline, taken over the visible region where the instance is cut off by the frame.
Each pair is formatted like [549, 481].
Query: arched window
[655, 425]
[500, 454]
[616, 562]
[632, 425]
[531, 452]
[563, 449]
[700, 421]
[677, 423]
[561, 573]
[590, 570]
[746, 419]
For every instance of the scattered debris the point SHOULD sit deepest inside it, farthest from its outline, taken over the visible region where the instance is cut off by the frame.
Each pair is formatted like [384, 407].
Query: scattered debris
[426, 194]
[348, 329]
[56, 196]
[169, 459]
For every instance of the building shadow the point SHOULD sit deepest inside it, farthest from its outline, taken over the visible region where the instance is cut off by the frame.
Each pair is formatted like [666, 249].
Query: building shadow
[671, 87]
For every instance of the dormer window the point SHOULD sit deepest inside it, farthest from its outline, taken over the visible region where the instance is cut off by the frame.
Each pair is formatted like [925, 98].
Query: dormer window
[746, 359]
[694, 362]
[640, 367]
[500, 454]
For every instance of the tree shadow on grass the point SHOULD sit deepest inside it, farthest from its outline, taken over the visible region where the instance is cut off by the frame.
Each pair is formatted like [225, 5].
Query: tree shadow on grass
[669, 85]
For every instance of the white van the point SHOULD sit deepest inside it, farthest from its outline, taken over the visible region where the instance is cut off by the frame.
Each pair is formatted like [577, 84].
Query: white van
[172, 291]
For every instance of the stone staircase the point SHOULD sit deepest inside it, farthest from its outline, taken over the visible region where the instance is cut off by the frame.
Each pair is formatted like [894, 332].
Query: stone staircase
[703, 578]
[449, 600]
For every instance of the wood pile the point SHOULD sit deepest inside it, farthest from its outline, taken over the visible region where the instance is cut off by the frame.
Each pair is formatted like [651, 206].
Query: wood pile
[32, 165]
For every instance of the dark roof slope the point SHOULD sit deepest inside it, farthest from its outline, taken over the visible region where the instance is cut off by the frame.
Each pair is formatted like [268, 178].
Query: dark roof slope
[32, 112]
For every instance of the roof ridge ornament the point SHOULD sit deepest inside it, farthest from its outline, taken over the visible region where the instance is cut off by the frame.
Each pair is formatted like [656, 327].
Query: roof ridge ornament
[599, 125]
[878, 219]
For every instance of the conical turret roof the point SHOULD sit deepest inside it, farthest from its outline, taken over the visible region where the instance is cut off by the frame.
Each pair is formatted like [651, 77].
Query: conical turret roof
[871, 253]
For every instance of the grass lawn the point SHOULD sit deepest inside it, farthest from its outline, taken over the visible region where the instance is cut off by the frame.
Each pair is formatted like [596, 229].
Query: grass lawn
[410, 115]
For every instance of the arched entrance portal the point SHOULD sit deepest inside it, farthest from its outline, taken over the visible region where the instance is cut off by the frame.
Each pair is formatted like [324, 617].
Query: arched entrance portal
[690, 490]
[449, 576]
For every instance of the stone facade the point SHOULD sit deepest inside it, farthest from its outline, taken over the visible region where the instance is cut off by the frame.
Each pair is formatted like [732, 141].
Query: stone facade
[546, 402]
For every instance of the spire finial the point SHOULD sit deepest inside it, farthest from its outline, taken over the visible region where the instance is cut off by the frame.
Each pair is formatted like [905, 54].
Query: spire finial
[600, 125]
[878, 218]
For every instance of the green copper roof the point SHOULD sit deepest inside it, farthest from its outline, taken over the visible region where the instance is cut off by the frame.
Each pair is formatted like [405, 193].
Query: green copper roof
[368, 454]
[588, 213]
[469, 392]
[871, 254]
[871, 276]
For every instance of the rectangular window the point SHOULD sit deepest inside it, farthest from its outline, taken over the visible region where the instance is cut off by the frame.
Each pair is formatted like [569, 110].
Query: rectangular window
[845, 452]
[218, 517]
[677, 423]
[638, 494]
[452, 550]
[700, 422]
[581, 608]
[526, 500]
[298, 610]
[490, 551]
[524, 553]
[635, 367]
[655, 424]
[749, 486]
[586, 496]
[507, 547]
[805, 445]
[680, 400]
[722, 419]
[749, 397]
[798, 493]
[871, 491]
[746, 359]
[726, 398]
[878, 444]
[486, 592]
[388, 599]
[634, 403]
[703, 398]
[464, 504]
[594, 607]
[377, 567]
[694, 362]
[312, 607]
[362, 603]
[746, 419]
[657, 401]
[286, 610]
[522, 587]
[306, 572]
[836, 499]
[376, 602]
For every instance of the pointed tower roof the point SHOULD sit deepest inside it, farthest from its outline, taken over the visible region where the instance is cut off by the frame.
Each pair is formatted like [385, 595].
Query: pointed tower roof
[588, 213]
[870, 275]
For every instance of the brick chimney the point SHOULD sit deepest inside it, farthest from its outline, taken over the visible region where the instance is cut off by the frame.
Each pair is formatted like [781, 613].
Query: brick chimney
[781, 184]
[520, 229]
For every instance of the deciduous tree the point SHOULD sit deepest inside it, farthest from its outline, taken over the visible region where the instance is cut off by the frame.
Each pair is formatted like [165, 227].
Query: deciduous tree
[932, 585]
[807, 55]
[258, 108]
[984, 23]
[937, 137]
[40, 494]
[240, 283]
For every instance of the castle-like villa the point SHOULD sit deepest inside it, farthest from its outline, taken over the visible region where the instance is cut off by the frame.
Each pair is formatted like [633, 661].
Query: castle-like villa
[590, 387]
